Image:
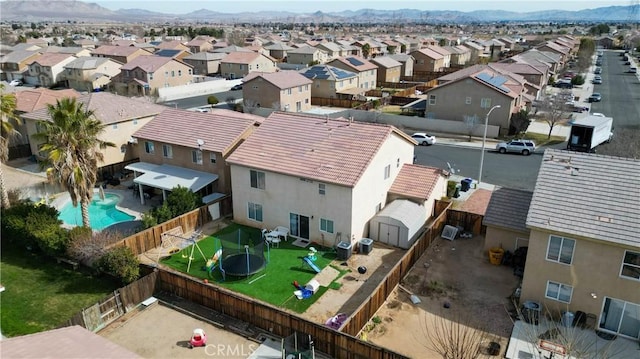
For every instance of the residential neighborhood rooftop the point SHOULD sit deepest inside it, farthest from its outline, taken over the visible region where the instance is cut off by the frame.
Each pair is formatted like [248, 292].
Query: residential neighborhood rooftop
[587, 195]
[508, 209]
[416, 181]
[281, 79]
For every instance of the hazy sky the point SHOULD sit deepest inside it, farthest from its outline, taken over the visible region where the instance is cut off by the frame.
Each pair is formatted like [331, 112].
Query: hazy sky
[305, 6]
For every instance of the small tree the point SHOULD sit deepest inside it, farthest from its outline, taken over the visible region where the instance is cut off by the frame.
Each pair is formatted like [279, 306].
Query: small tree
[520, 122]
[366, 50]
[553, 111]
[456, 337]
[212, 100]
[182, 200]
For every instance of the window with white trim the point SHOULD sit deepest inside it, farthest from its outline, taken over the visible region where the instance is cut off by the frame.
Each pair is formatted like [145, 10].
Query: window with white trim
[255, 211]
[387, 171]
[167, 151]
[485, 102]
[326, 225]
[560, 249]
[149, 147]
[322, 188]
[196, 157]
[630, 265]
[558, 291]
[257, 179]
[432, 100]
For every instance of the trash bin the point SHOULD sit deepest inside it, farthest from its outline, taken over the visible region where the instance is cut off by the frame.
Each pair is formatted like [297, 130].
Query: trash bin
[531, 312]
[365, 245]
[343, 251]
[465, 184]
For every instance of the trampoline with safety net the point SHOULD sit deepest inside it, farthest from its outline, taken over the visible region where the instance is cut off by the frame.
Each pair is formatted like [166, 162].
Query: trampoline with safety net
[242, 256]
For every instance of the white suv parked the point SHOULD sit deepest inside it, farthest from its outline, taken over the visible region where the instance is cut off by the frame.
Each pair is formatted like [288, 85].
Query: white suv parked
[526, 147]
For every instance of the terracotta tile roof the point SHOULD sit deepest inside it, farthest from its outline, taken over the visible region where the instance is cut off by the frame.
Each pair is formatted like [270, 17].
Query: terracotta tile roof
[516, 68]
[108, 108]
[148, 63]
[88, 63]
[220, 130]
[415, 181]
[108, 50]
[508, 209]
[278, 46]
[51, 58]
[31, 100]
[477, 202]
[305, 50]
[18, 56]
[356, 63]
[241, 57]
[67, 342]
[282, 79]
[441, 50]
[122, 42]
[171, 44]
[232, 49]
[323, 149]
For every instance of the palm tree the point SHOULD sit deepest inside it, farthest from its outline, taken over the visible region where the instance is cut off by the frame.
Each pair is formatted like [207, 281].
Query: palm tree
[7, 113]
[72, 144]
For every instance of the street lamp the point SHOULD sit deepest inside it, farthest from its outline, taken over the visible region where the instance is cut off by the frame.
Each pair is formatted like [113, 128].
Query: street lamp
[484, 140]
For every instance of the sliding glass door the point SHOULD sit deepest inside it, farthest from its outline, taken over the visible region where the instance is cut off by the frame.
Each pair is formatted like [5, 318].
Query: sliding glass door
[299, 225]
[621, 317]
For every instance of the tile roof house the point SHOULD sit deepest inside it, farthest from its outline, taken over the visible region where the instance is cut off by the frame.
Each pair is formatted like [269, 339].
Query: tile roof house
[332, 82]
[48, 69]
[406, 61]
[171, 138]
[537, 58]
[477, 51]
[584, 247]
[505, 219]
[278, 50]
[427, 61]
[177, 54]
[460, 55]
[536, 77]
[473, 91]
[170, 45]
[367, 71]
[90, 73]
[389, 70]
[121, 115]
[332, 49]
[237, 65]
[122, 54]
[15, 65]
[205, 63]
[199, 45]
[320, 186]
[146, 74]
[446, 54]
[307, 55]
[29, 100]
[556, 48]
[282, 91]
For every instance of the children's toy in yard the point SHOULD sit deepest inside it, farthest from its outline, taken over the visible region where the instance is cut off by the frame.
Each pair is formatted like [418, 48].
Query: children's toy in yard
[312, 254]
[198, 339]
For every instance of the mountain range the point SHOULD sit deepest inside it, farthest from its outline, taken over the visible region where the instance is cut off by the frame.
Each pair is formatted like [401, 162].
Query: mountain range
[65, 10]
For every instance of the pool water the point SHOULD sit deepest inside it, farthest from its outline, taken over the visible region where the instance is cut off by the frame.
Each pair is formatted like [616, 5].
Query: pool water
[102, 213]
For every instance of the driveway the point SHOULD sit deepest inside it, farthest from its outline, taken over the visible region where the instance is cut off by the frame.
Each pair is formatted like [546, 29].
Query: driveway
[456, 273]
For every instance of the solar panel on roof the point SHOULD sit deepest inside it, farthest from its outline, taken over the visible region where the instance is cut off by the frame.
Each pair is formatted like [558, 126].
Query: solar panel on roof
[495, 81]
[355, 62]
[340, 74]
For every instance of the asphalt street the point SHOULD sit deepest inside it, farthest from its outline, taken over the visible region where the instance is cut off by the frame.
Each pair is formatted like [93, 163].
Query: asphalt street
[199, 101]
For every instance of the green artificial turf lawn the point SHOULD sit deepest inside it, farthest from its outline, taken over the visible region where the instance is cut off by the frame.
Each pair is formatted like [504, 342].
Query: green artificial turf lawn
[274, 284]
[41, 294]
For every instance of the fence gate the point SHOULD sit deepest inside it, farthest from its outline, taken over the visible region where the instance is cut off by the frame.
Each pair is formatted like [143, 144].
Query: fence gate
[102, 313]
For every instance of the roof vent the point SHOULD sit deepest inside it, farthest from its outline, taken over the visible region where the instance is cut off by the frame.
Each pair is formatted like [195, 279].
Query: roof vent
[604, 219]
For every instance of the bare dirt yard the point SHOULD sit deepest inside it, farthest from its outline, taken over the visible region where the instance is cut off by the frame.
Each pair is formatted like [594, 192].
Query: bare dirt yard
[458, 274]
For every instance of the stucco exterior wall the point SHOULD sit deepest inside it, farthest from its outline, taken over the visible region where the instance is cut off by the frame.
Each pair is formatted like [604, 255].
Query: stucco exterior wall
[265, 94]
[595, 269]
[389, 74]
[509, 240]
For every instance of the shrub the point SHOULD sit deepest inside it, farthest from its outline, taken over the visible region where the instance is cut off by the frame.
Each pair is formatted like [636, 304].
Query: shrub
[577, 80]
[48, 235]
[212, 100]
[121, 263]
[30, 226]
[149, 220]
[181, 200]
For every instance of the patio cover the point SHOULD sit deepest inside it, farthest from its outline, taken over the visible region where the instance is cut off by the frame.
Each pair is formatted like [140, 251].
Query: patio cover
[167, 177]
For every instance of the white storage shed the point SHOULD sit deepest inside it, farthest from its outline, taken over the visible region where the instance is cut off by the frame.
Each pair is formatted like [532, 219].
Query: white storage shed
[398, 223]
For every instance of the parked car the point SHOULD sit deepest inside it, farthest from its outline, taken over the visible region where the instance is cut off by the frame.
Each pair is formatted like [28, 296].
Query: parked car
[580, 109]
[424, 138]
[627, 62]
[598, 70]
[525, 147]
[563, 84]
[236, 87]
[633, 70]
[15, 83]
[595, 97]
[597, 80]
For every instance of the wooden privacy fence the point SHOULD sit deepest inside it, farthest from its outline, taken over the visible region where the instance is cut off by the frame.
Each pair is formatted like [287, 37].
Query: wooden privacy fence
[151, 238]
[335, 102]
[469, 221]
[113, 306]
[372, 304]
[269, 318]
[398, 100]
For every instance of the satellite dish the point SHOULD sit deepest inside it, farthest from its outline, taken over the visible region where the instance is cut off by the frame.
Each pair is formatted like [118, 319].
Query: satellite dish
[200, 142]
[451, 170]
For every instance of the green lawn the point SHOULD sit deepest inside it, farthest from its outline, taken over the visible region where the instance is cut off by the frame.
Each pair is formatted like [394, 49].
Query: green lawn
[41, 294]
[274, 284]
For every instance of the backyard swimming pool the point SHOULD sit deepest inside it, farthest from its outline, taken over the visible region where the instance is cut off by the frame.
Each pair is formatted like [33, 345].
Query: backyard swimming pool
[102, 212]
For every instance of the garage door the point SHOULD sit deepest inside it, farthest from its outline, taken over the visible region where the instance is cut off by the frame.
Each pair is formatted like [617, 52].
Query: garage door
[389, 234]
